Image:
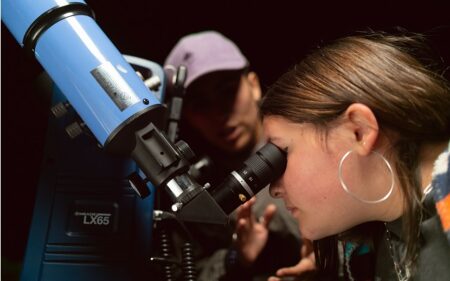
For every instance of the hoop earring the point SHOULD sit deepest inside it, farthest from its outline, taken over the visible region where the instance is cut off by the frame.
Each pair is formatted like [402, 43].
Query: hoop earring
[344, 186]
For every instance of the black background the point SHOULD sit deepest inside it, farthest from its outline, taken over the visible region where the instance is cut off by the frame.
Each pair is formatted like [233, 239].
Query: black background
[272, 34]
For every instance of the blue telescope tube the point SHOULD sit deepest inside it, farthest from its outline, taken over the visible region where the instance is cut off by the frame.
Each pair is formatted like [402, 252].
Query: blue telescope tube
[93, 75]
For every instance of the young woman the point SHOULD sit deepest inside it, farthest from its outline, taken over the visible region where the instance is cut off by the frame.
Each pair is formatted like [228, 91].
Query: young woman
[363, 120]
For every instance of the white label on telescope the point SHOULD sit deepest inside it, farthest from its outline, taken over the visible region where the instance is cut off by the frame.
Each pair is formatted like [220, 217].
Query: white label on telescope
[115, 86]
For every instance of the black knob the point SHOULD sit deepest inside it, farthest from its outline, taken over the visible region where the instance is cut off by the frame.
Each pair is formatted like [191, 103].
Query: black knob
[60, 109]
[185, 151]
[74, 129]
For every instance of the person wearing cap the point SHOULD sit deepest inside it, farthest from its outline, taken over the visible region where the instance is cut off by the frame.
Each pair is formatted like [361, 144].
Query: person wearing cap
[220, 119]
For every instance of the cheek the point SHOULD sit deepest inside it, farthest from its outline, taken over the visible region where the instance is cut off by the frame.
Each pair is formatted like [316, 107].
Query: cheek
[312, 185]
[244, 103]
[311, 180]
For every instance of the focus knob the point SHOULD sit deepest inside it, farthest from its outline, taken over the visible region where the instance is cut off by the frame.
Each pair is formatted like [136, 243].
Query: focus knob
[185, 151]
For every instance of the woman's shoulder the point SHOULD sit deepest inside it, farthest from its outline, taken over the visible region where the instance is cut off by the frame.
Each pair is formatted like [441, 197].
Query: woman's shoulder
[441, 189]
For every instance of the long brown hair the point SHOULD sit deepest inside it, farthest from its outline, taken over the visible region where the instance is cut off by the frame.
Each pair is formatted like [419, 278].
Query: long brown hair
[391, 75]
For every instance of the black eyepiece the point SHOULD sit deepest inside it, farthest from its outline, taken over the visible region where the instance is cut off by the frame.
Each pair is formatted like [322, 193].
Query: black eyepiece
[263, 167]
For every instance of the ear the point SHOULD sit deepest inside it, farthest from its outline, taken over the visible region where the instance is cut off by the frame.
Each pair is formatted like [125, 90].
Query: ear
[364, 126]
[253, 80]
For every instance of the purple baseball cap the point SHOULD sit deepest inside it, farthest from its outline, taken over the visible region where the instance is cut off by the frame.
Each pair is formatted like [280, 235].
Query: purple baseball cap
[205, 52]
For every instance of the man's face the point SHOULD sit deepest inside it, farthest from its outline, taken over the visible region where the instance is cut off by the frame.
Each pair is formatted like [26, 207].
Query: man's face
[222, 107]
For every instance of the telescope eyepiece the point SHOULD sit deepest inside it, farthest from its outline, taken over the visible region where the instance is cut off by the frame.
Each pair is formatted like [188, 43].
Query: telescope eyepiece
[262, 168]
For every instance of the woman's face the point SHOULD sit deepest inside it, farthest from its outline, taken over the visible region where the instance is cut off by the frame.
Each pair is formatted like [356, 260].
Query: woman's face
[310, 185]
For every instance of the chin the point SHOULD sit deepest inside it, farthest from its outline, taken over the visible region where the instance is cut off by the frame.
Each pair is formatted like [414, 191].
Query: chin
[311, 233]
[230, 148]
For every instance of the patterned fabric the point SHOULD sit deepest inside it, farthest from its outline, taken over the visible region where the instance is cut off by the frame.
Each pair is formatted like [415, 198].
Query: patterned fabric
[441, 189]
[358, 262]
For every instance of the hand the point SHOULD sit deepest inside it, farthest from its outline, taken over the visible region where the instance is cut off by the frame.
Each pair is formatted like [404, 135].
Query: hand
[307, 263]
[251, 233]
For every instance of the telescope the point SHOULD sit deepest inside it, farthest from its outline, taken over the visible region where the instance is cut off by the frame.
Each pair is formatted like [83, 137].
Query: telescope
[126, 118]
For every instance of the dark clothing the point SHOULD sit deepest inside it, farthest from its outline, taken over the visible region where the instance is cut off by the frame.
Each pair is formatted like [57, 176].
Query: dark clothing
[277, 253]
[434, 256]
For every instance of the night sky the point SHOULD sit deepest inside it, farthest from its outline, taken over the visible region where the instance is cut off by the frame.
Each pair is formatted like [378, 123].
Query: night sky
[272, 34]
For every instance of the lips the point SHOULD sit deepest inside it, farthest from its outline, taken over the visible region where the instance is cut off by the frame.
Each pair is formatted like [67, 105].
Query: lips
[230, 133]
[227, 131]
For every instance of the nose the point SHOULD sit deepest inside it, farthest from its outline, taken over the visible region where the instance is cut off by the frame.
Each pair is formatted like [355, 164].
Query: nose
[275, 189]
